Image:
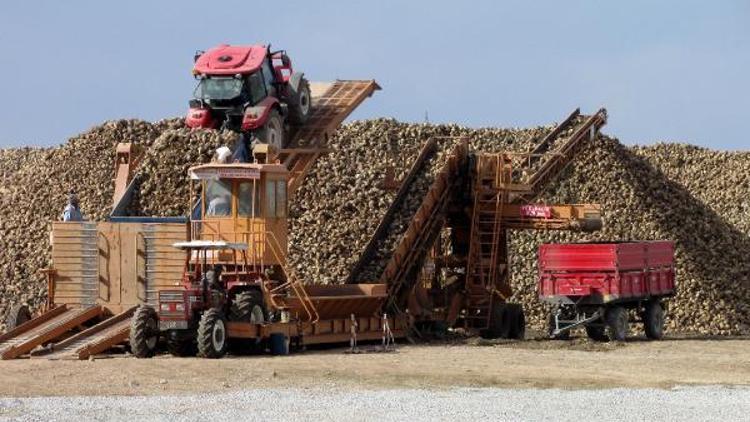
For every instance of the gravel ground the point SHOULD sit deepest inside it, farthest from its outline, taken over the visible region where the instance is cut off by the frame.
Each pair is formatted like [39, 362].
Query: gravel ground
[687, 403]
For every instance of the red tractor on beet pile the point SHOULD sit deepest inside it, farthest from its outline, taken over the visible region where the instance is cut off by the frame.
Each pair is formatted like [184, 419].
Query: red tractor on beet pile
[250, 90]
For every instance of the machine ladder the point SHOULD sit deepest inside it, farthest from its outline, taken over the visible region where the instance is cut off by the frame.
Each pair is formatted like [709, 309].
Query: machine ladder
[486, 260]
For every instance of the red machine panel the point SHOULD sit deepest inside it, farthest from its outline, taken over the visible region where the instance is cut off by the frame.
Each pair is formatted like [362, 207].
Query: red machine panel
[603, 272]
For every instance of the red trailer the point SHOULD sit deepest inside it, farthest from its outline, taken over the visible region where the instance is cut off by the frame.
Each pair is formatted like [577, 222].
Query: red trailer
[596, 285]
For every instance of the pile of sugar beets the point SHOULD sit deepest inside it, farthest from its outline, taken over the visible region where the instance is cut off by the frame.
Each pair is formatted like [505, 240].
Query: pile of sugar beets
[694, 196]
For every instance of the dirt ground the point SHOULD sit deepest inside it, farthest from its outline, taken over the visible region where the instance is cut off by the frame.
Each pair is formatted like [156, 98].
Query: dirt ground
[573, 364]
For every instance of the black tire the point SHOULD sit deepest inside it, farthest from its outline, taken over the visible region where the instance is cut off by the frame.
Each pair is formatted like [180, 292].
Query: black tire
[653, 320]
[300, 104]
[248, 306]
[144, 332]
[565, 335]
[180, 346]
[500, 322]
[272, 132]
[17, 315]
[212, 335]
[517, 322]
[617, 323]
[596, 333]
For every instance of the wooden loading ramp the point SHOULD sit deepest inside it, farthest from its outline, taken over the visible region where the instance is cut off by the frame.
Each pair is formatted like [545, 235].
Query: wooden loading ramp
[332, 103]
[92, 341]
[45, 328]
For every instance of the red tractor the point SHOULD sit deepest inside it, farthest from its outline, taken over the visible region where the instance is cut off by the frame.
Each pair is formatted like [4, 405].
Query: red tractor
[250, 90]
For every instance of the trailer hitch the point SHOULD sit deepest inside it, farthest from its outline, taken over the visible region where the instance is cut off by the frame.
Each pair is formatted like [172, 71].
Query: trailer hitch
[575, 323]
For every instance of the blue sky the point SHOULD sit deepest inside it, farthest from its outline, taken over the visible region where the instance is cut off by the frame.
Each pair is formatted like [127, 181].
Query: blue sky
[667, 70]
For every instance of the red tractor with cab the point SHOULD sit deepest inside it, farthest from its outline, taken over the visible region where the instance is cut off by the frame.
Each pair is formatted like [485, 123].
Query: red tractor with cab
[250, 90]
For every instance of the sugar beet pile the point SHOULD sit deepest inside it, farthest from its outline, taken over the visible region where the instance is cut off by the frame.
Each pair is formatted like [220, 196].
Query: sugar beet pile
[695, 196]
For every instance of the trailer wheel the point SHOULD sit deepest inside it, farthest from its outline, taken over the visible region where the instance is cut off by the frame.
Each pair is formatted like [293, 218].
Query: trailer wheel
[17, 315]
[653, 320]
[617, 323]
[517, 322]
[212, 334]
[144, 332]
[551, 326]
[596, 333]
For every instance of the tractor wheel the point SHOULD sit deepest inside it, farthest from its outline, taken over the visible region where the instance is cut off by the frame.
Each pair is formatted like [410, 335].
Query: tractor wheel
[653, 320]
[517, 321]
[500, 322]
[17, 315]
[565, 335]
[181, 347]
[247, 306]
[300, 104]
[212, 334]
[144, 332]
[617, 323]
[596, 333]
[272, 133]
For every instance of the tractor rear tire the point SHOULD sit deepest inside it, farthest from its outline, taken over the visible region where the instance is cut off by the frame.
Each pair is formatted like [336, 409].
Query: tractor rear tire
[617, 323]
[17, 315]
[551, 326]
[653, 320]
[300, 104]
[212, 335]
[272, 133]
[144, 332]
[181, 347]
[248, 306]
[517, 322]
[596, 333]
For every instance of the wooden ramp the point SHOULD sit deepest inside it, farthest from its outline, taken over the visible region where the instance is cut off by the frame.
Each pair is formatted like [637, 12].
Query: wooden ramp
[332, 103]
[45, 328]
[92, 341]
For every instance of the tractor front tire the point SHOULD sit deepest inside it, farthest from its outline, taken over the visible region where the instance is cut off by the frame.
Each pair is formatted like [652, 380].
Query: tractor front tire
[617, 323]
[300, 104]
[17, 315]
[144, 332]
[272, 132]
[653, 320]
[212, 335]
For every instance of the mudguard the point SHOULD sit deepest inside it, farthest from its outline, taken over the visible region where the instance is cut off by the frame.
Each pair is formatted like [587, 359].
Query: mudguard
[294, 80]
[256, 115]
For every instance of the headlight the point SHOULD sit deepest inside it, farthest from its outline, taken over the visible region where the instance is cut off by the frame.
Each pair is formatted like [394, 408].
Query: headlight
[179, 307]
[164, 307]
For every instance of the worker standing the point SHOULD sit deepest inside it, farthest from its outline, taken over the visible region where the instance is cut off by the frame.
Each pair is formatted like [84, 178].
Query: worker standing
[72, 212]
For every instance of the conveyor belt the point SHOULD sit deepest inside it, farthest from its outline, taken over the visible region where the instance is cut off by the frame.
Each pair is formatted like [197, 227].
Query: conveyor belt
[329, 109]
[45, 328]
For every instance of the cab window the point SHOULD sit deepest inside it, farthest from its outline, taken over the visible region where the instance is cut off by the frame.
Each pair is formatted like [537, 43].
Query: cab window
[218, 198]
[257, 87]
[275, 198]
[248, 199]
